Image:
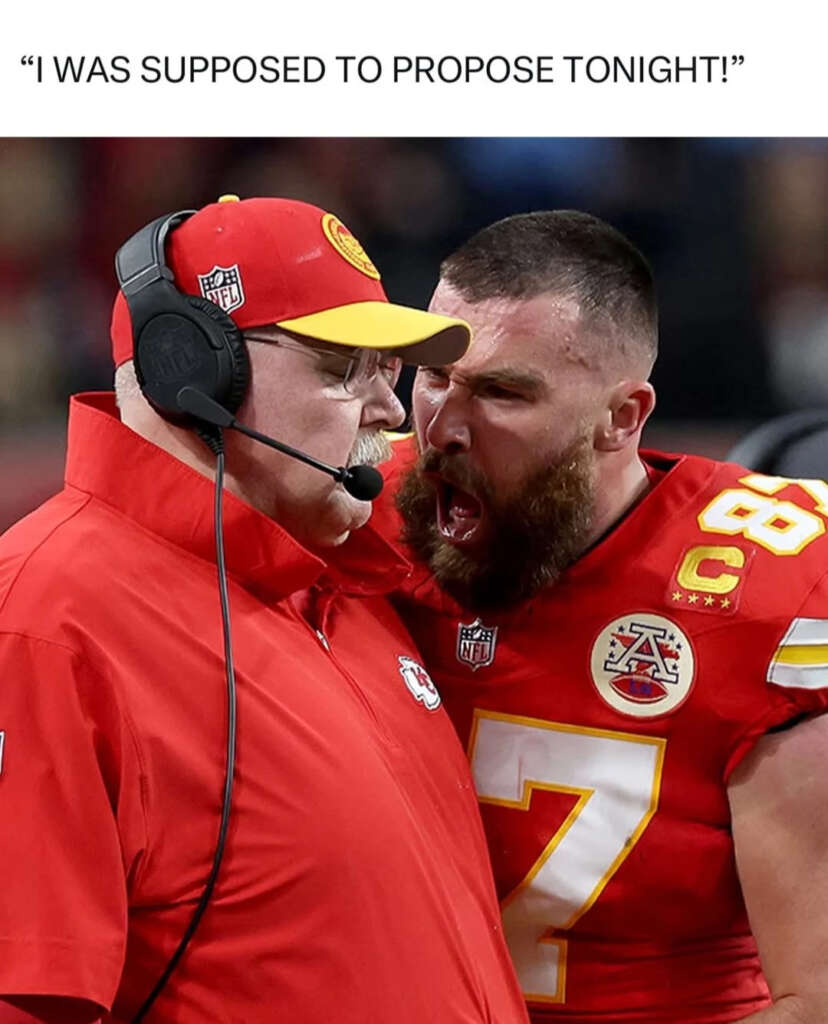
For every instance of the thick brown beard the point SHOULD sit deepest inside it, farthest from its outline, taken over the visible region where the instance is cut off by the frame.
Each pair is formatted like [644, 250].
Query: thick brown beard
[534, 535]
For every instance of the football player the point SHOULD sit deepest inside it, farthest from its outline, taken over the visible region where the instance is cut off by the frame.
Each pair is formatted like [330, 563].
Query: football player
[633, 645]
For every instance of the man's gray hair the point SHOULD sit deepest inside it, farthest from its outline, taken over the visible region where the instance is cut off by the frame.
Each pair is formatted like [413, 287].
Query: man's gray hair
[127, 387]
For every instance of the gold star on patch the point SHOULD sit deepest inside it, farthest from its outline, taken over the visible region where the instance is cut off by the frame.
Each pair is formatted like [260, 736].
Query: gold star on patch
[725, 602]
[692, 598]
[676, 595]
[708, 601]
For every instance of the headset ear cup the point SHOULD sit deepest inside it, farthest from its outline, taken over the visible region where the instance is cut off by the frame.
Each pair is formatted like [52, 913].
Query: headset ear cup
[237, 381]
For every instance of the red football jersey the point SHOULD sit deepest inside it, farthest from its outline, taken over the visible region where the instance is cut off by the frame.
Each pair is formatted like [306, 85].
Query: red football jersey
[603, 719]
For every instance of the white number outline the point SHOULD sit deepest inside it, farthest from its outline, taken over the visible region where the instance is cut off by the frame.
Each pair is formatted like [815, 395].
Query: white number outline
[817, 489]
[558, 952]
[726, 501]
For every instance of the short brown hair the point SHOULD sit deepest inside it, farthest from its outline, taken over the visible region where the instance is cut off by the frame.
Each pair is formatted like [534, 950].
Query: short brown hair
[563, 252]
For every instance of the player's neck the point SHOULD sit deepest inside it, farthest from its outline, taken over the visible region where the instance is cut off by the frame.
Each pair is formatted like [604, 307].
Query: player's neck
[621, 488]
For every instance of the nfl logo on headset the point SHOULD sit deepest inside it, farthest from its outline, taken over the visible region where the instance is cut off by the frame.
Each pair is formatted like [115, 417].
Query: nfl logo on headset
[476, 644]
[223, 286]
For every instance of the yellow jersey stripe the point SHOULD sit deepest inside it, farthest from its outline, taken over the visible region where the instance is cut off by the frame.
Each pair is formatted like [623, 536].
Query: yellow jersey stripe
[802, 654]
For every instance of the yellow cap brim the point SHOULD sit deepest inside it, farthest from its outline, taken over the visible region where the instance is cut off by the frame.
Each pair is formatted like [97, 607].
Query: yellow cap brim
[416, 336]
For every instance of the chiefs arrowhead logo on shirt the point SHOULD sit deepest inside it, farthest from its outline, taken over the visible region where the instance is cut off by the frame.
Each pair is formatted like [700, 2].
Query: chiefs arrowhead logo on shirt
[419, 682]
[643, 665]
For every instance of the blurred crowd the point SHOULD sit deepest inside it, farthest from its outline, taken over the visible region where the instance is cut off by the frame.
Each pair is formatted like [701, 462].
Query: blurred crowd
[736, 230]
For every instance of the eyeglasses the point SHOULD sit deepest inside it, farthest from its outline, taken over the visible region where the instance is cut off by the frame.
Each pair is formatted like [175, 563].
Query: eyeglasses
[356, 371]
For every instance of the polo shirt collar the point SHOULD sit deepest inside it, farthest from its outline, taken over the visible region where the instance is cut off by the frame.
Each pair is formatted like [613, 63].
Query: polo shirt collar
[173, 501]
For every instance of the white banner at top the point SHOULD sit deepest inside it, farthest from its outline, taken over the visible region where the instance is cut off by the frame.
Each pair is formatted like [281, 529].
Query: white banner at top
[433, 67]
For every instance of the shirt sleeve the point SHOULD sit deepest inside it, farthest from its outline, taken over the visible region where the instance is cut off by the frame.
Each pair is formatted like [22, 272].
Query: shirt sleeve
[797, 673]
[63, 914]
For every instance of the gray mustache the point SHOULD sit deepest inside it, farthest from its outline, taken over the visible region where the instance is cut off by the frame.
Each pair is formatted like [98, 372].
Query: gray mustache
[371, 448]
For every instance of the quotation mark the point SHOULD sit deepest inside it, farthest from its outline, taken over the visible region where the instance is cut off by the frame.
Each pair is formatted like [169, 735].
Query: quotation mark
[33, 62]
[735, 62]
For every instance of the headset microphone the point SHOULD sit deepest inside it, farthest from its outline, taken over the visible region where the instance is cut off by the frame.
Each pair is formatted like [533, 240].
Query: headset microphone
[362, 482]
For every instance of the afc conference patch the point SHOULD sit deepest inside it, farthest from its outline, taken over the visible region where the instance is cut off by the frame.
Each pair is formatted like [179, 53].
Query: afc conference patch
[476, 644]
[643, 665]
[223, 286]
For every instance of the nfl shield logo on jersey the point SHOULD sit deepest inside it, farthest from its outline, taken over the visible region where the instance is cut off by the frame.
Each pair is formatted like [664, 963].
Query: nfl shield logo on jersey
[643, 665]
[419, 682]
[476, 644]
[223, 286]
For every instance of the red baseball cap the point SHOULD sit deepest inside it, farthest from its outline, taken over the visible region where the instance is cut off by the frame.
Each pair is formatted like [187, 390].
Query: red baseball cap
[279, 261]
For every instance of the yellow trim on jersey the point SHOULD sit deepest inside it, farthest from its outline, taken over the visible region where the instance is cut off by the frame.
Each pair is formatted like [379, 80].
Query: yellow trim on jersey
[802, 654]
[545, 723]
[801, 659]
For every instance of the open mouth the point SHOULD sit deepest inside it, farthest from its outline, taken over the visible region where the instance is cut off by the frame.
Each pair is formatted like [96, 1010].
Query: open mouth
[459, 514]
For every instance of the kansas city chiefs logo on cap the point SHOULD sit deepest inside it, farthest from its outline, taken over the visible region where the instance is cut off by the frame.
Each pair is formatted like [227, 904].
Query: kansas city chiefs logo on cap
[348, 246]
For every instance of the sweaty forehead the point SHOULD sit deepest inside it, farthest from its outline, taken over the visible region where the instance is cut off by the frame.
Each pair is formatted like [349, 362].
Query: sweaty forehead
[544, 330]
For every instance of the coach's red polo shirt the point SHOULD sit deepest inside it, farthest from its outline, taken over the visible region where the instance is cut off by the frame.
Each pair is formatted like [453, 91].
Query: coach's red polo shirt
[355, 885]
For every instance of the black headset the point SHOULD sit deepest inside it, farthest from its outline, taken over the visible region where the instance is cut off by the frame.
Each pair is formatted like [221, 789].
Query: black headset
[179, 340]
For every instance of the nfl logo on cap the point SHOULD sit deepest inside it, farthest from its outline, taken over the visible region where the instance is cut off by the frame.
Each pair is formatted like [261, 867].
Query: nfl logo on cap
[223, 286]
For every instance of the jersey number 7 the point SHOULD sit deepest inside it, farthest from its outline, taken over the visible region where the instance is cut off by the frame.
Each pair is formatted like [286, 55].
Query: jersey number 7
[616, 777]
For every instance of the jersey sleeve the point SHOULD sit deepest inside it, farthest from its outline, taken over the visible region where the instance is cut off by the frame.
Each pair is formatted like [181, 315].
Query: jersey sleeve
[797, 672]
[799, 665]
[63, 913]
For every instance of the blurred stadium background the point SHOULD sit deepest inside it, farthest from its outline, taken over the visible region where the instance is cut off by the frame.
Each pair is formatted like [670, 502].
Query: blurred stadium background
[736, 230]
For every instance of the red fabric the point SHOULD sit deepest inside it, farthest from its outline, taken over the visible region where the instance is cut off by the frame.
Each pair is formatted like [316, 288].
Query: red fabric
[355, 884]
[289, 266]
[667, 938]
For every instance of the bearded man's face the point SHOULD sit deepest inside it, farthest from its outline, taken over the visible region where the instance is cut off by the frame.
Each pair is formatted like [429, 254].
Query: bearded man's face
[491, 551]
[504, 496]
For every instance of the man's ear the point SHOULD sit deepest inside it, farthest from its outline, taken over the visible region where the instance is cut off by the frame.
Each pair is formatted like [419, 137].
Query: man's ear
[628, 408]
